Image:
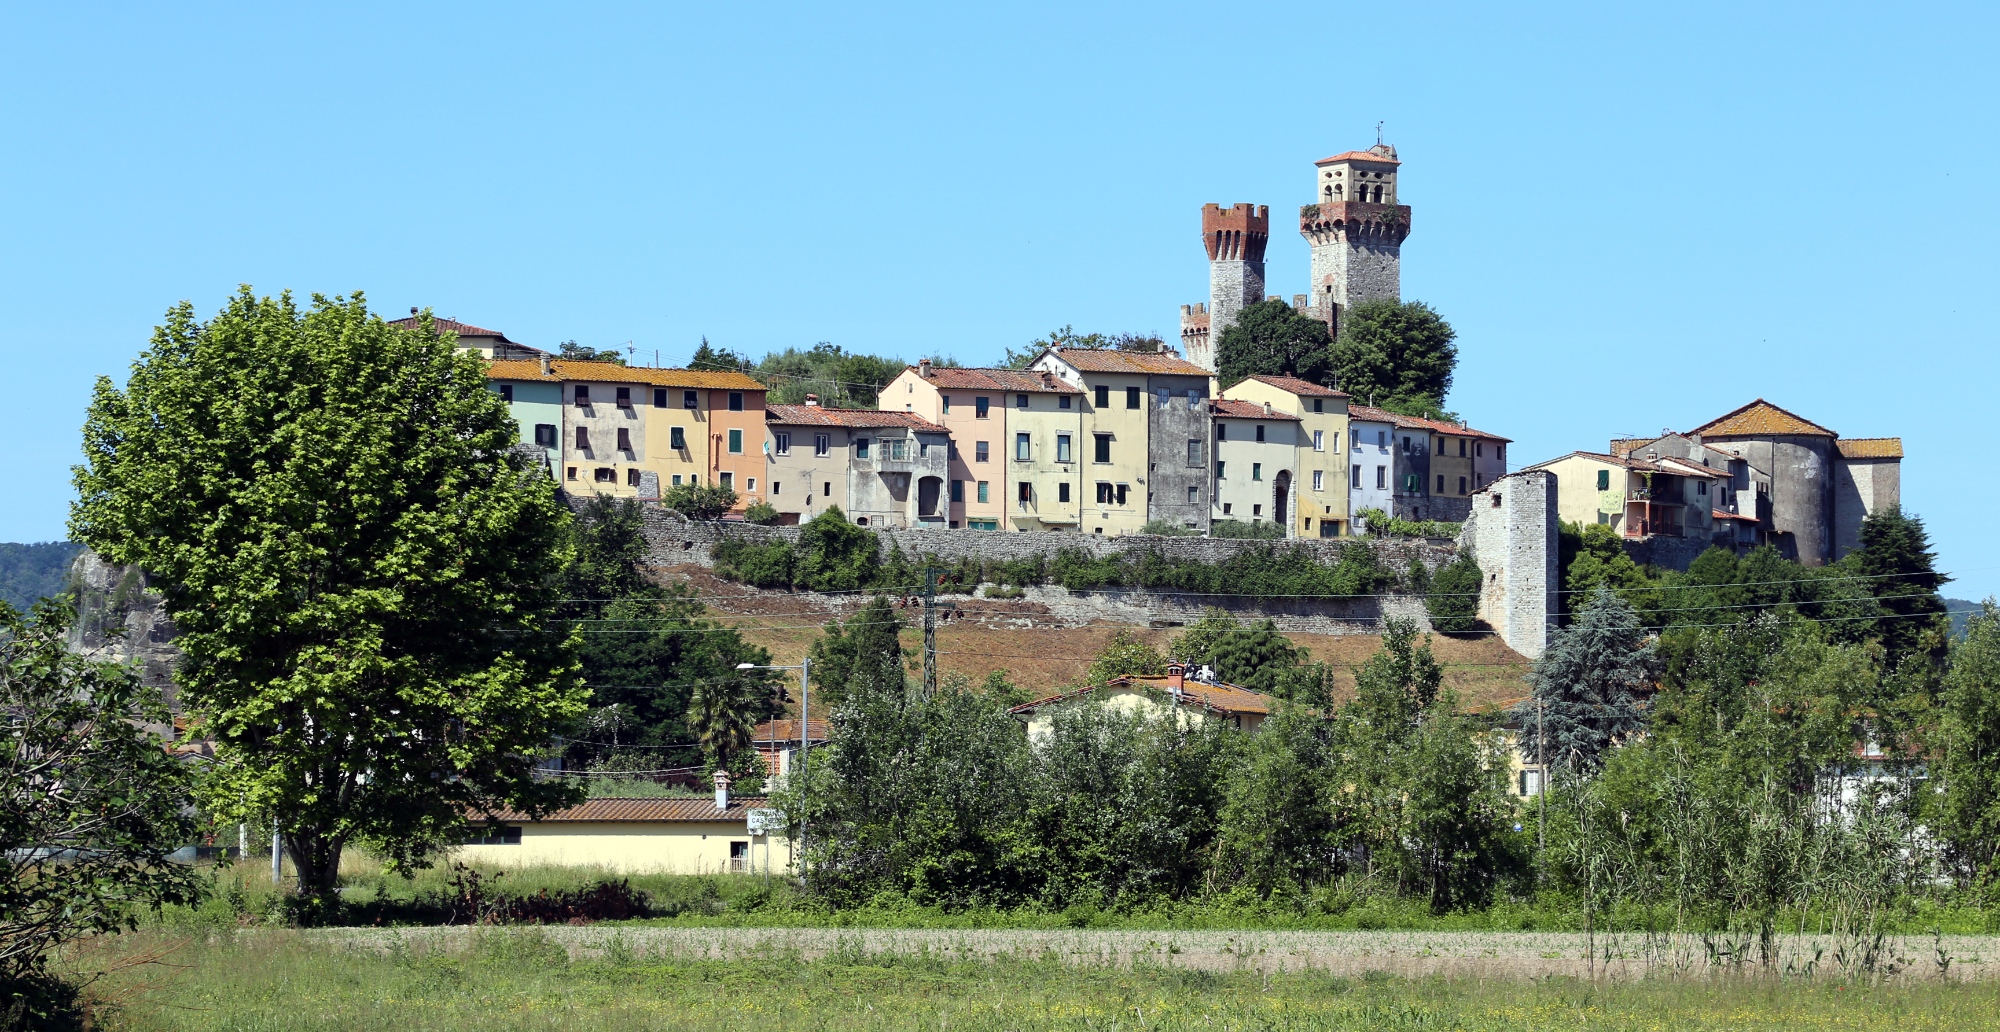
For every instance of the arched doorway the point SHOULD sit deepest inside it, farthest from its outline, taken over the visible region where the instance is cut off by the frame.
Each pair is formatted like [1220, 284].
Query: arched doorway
[1281, 494]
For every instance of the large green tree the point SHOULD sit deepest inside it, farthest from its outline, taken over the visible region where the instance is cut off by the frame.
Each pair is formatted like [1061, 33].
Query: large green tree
[862, 651]
[1590, 684]
[1398, 353]
[1269, 338]
[361, 569]
[1896, 556]
[1968, 752]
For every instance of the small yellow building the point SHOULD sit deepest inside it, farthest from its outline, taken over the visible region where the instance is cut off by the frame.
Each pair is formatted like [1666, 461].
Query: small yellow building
[1321, 478]
[634, 836]
[1186, 699]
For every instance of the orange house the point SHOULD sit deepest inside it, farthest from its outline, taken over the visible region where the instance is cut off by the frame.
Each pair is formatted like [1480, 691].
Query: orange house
[736, 438]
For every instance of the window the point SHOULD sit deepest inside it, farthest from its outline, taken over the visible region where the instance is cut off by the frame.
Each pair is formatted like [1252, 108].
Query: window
[861, 447]
[777, 488]
[583, 438]
[1319, 480]
[545, 434]
[605, 475]
[1604, 480]
[1062, 448]
[677, 438]
[1226, 507]
[1121, 494]
[1023, 448]
[582, 395]
[1319, 404]
[659, 397]
[946, 399]
[1062, 402]
[492, 836]
[506, 392]
[1257, 510]
[983, 524]
[896, 449]
[726, 479]
[1256, 471]
[632, 477]
[822, 445]
[1164, 395]
[1103, 396]
[923, 449]
[979, 451]
[735, 442]
[982, 492]
[1194, 451]
[1103, 445]
[1357, 478]
[1221, 430]
[1025, 492]
[624, 397]
[1319, 440]
[1381, 477]
[1701, 487]
[735, 401]
[1020, 401]
[1478, 449]
[572, 473]
[1381, 438]
[1194, 496]
[1440, 483]
[1461, 485]
[1219, 465]
[1062, 491]
[1413, 483]
[1500, 452]
[690, 399]
[826, 489]
[677, 480]
[1336, 447]
[750, 485]
[1131, 397]
[979, 407]
[1104, 493]
[1461, 447]
[1406, 445]
[958, 490]
[624, 439]
[781, 443]
[1260, 431]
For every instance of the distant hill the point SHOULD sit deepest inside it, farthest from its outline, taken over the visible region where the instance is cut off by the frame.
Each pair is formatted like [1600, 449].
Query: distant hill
[30, 573]
[1960, 611]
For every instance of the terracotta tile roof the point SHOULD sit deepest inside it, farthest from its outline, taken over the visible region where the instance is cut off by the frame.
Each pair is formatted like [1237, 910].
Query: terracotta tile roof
[1302, 388]
[1761, 418]
[609, 372]
[1720, 515]
[1369, 414]
[1226, 699]
[1870, 447]
[1624, 462]
[820, 415]
[787, 731]
[686, 808]
[1691, 468]
[1016, 380]
[1108, 361]
[519, 369]
[448, 326]
[1358, 155]
[1230, 408]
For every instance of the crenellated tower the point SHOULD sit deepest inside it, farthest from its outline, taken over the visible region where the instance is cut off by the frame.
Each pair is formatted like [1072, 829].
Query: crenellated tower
[1235, 238]
[1356, 229]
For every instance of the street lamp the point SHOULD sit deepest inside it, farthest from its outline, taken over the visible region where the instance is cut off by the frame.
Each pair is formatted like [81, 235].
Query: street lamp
[804, 668]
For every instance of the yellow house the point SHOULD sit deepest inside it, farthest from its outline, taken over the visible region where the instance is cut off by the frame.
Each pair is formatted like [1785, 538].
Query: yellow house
[1637, 498]
[1321, 465]
[1145, 424]
[634, 836]
[1187, 700]
[633, 431]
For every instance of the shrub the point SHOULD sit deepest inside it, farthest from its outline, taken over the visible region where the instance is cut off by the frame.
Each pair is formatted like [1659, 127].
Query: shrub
[774, 565]
[1021, 573]
[1003, 591]
[1453, 600]
[763, 514]
[835, 555]
[699, 501]
[1381, 524]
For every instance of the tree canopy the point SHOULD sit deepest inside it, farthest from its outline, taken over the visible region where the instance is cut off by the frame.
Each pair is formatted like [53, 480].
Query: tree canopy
[1269, 338]
[1589, 684]
[360, 567]
[1067, 337]
[1398, 353]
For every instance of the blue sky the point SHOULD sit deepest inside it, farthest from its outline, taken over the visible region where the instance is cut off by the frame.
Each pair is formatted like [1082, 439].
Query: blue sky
[1637, 216]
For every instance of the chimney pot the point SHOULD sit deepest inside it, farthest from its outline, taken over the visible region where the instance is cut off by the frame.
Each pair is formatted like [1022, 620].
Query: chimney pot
[812, 399]
[924, 368]
[545, 365]
[722, 790]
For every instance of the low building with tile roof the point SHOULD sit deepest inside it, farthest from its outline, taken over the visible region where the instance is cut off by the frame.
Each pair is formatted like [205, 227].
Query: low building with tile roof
[1808, 488]
[881, 468]
[1320, 482]
[1637, 498]
[490, 344]
[1253, 476]
[1183, 694]
[671, 835]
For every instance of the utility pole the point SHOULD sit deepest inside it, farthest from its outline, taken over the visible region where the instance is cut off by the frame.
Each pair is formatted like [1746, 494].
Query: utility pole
[931, 607]
[1542, 790]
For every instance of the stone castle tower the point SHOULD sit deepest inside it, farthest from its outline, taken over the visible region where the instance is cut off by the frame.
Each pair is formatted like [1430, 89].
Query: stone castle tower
[1356, 229]
[1235, 238]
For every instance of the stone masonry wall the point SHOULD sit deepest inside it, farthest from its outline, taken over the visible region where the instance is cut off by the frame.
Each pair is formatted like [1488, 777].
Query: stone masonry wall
[1512, 533]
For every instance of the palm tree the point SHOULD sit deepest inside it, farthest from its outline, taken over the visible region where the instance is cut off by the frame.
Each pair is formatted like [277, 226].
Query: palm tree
[723, 715]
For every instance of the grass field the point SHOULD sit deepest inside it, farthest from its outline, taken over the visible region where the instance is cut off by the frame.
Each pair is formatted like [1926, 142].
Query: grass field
[602, 977]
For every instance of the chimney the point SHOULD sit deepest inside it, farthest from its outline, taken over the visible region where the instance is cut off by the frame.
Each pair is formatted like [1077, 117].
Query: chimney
[722, 790]
[1176, 677]
[545, 365]
[1267, 408]
[924, 368]
[812, 400]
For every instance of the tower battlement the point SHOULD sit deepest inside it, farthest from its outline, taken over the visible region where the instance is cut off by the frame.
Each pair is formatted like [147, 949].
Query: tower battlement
[1236, 233]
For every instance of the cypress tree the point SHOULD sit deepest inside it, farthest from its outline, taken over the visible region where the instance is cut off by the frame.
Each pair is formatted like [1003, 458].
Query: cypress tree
[1896, 555]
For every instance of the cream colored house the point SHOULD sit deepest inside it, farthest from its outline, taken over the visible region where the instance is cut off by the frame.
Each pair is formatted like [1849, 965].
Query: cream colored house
[1254, 447]
[1321, 478]
[1145, 426]
[1187, 700]
[633, 836]
[1637, 498]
